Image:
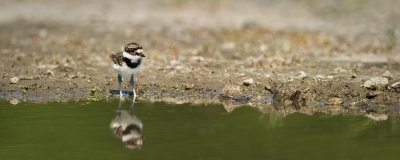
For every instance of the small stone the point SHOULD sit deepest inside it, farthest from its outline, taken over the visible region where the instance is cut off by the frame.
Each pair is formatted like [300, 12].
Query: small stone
[26, 78]
[179, 67]
[319, 77]
[188, 86]
[248, 82]
[14, 80]
[387, 75]
[242, 74]
[354, 76]
[377, 116]
[268, 87]
[339, 70]
[301, 75]
[73, 76]
[49, 72]
[395, 85]
[376, 83]
[197, 58]
[14, 101]
[230, 89]
[335, 101]
[374, 94]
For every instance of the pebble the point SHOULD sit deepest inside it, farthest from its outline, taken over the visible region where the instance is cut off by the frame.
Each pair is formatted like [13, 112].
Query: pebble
[230, 89]
[339, 70]
[73, 76]
[197, 58]
[377, 117]
[374, 94]
[376, 83]
[248, 82]
[395, 85]
[14, 101]
[50, 72]
[301, 75]
[14, 80]
[27, 78]
[188, 86]
[335, 101]
[387, 75]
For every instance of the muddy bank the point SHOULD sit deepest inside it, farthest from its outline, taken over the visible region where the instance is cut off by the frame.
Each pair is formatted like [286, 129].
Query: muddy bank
[298, 68]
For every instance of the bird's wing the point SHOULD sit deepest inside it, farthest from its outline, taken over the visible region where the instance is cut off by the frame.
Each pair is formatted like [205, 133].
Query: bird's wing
[117, 58]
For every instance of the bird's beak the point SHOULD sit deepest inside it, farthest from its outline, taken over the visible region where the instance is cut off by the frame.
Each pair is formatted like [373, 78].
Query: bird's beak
[141, 54]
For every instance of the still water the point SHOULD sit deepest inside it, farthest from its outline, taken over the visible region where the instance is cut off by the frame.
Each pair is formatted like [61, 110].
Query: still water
[165, 131]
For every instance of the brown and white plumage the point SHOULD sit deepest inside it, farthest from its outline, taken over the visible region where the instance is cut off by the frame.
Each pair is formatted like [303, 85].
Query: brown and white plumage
[127, 63]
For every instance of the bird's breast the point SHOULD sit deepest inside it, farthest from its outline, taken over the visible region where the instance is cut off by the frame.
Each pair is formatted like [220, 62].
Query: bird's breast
[132, 64]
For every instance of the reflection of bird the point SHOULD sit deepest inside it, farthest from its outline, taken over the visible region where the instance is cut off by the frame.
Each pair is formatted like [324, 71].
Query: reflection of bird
[127, 127]
[127, 63]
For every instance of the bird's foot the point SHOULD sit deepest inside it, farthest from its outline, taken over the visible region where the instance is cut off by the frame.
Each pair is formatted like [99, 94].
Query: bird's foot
[117, 93]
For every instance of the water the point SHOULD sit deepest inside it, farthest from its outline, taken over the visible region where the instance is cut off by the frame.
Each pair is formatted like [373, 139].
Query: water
[82, 131]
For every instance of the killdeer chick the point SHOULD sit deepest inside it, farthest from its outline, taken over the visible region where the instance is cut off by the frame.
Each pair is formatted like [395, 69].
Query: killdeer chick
[127, 63]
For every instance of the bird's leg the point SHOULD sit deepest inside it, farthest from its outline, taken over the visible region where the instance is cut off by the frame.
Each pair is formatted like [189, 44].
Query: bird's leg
[120, 84]
[119, 105]
[132, 82]
[132, 107]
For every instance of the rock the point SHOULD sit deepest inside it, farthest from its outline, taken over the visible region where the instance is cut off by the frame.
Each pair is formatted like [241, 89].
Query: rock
[197, 58]
[229, 90]
[319, 77]
[248, 82]
[14, 101]
[354, 76]
[188, 86]
[14, 80]
[395, 86]
[73, 76]
[50, 72]
[26, 78]
[377, 117]
[268, 88]
[373, 94]
[376, 83]
[387, 75]
[339, 70]
[301, 75]
[335, 101]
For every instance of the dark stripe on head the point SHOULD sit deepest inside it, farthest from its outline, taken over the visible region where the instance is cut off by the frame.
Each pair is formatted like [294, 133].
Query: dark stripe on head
[132, 47]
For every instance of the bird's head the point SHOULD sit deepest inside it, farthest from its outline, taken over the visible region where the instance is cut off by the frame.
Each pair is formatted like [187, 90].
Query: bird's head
[134, 49]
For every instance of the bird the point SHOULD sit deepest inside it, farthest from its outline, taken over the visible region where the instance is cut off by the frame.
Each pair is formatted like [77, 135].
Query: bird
[127, 63]
[128, 127]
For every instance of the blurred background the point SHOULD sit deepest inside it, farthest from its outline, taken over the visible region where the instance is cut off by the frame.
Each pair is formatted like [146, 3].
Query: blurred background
[336, 15]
